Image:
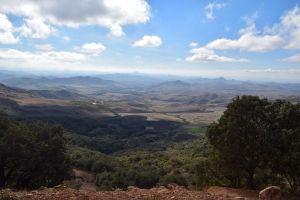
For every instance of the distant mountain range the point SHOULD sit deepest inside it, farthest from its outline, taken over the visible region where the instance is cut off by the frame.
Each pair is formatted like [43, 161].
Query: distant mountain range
[135, 85]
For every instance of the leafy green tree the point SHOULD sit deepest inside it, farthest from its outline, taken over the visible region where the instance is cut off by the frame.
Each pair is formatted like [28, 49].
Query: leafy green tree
[4, 124]
[31, 155]
[286, 154]
[240, 137]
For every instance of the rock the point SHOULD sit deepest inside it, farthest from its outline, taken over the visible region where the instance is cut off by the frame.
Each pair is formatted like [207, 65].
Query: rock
[270, 193]
[28, 195]
[59, 187]
[239, 198]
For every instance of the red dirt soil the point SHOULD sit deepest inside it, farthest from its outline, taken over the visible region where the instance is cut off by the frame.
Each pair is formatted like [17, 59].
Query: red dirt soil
[171, 192]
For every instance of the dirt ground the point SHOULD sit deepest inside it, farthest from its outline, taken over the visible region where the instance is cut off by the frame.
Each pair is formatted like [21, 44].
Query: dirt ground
[172, 192]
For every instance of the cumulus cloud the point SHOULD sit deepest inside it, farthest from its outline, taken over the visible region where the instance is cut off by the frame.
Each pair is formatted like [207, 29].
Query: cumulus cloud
[6, 31]
[92, 48]
[44, 47]
[36, 28]
[249, 41]
[290, 23]
[8, 38]
[33, 28]
[5, 24]
[193, 44]
[204, 54]
[210, 8]
[112, 14]
[116, 30]
[288, 28]
[148, 41]
[285, 34]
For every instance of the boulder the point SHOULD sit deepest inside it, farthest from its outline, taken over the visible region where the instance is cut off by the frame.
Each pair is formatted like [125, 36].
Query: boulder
[270, 193]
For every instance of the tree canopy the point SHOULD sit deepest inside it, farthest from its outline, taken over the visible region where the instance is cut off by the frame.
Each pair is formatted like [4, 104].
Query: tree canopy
[31, 155]
[255, 136]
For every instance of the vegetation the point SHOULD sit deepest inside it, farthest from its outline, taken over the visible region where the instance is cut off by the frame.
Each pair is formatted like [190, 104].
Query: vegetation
[257, 142]
[141, 168]
[31, 155]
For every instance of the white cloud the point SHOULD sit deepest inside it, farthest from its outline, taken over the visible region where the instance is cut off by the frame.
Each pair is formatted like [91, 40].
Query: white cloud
[204, 54]
[92, 48]
[116, 30]
[44, 47]
[33, 28]
[288, 28]
[193, 44]
[15, 57]
[294, 58]
[148, 41]
[285, 34]
[6, 31]
[290, 23]
[5, 24]
[63, 56]
[248, 42]
[210, 8]
[8, 38]
[36, 28]
[112, 14]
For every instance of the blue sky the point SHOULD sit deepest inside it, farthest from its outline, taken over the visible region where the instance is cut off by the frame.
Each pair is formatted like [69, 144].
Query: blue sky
[243, 39]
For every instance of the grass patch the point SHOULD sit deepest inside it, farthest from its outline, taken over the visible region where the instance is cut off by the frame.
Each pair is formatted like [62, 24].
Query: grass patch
[197, 130]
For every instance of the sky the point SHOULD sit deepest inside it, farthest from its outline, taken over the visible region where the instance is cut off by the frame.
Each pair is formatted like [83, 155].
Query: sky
[241, 39]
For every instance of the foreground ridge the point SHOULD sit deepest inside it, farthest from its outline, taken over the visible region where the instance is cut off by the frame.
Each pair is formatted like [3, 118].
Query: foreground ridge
[171, 191]
[61, 192]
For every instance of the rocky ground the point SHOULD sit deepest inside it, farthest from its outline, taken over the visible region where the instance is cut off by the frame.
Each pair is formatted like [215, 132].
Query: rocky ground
[171, 192]
[63, 193]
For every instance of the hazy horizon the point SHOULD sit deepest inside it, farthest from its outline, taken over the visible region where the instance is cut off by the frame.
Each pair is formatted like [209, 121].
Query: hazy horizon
[160, 76]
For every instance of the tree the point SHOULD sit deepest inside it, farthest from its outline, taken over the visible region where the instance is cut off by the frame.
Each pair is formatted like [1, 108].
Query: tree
[286, 143]
[240, 137]
[31, 155]
[4, 124]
